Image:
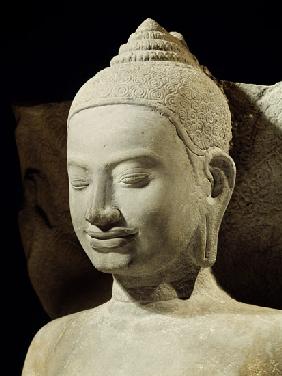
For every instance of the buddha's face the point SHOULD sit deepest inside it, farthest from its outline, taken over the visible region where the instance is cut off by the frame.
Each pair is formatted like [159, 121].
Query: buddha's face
[133, 196]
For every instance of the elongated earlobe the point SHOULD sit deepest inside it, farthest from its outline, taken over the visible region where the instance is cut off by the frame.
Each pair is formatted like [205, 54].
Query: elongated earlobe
[220, 171]
[205, 248]
[204, 255]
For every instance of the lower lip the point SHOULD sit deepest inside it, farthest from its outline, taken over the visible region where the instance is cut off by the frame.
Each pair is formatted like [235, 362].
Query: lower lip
[110, 245]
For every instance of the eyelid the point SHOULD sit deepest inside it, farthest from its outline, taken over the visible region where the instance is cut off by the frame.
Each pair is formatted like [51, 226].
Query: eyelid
[128, 170]
[135, 179]
[131, 171]
[79, 183]
[134, 174]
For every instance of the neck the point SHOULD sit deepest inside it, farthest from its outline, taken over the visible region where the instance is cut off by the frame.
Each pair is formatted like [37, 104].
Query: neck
[192, 285]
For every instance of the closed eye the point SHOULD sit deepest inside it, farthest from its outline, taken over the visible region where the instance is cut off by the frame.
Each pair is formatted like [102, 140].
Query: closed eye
[135, 180]
[79, 184]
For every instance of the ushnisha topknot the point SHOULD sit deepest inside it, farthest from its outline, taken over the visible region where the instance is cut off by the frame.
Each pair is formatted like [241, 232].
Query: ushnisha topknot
[156, 69]
[151, 42]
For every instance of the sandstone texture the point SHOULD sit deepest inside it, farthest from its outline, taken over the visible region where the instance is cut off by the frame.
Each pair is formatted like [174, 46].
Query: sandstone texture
[249, 261]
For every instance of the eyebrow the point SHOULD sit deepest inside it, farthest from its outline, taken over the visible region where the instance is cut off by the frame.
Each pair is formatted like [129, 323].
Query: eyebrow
[154, 159]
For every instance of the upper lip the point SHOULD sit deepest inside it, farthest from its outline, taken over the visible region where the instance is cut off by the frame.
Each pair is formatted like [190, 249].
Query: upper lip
[115, 232]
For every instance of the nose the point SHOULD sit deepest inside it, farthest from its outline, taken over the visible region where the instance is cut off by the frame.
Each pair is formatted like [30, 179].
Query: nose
[105, 219]
[100, 211]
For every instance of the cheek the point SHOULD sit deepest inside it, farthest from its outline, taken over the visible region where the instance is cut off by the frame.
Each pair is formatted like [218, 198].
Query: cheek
[183, 209]
[77, 206]
[142, 205]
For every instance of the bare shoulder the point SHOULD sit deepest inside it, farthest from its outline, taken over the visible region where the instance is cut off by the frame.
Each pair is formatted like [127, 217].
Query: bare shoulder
[260, 321]
[268, 319]
[44, 344]
[48, 339]
[265, 355]
[270, 324]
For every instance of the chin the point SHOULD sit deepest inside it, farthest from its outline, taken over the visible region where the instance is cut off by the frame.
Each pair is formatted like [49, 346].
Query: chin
[112, 262]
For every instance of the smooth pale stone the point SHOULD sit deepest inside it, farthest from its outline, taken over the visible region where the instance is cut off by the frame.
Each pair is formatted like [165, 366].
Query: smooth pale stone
[120, 339]
[41, 142]
[208, 332]
[150, 178]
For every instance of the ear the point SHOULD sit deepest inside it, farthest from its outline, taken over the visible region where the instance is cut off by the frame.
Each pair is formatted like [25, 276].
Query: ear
[220, 171]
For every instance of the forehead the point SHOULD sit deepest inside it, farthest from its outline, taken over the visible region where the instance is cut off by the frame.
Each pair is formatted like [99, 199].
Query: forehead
[109, 130]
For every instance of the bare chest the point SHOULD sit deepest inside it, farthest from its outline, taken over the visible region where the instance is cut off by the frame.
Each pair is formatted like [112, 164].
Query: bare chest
[161, 347]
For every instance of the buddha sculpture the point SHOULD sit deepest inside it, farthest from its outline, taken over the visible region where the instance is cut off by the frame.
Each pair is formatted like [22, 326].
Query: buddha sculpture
[149, 180]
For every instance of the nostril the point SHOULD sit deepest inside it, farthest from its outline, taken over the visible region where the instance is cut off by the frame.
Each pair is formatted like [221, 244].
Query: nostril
[87, 218]
[90, 218]
[104, 218]
[105, 228]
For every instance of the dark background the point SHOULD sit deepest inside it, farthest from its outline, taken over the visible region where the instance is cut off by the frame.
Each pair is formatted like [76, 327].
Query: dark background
[49, 50]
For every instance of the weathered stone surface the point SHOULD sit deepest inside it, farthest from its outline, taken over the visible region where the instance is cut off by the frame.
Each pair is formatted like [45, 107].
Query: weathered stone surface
[250, 240]
[249, 263]
[150, 178]
[251, 235]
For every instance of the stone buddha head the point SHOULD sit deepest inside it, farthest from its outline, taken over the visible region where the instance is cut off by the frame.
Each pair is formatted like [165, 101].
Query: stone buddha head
[149, 172]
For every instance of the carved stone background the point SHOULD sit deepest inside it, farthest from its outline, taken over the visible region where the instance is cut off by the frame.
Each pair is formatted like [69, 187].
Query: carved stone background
[249, 264]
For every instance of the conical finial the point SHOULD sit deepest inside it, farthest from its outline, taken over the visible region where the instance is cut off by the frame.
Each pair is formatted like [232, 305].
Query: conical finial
[151, 42]
[150, 25]
[155, 69]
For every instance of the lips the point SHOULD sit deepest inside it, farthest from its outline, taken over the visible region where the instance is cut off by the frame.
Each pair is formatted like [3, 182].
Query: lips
[115, 232]
[108, 241]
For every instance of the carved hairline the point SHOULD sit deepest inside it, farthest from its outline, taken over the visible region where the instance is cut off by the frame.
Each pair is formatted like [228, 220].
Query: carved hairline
[162, 110]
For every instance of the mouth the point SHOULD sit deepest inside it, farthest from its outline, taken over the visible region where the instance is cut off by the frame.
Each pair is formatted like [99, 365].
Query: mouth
[115, 232]
[109, 241]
